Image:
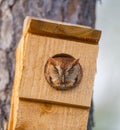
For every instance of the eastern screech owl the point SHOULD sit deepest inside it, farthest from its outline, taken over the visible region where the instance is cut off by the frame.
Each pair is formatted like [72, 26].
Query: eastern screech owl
[63, 73]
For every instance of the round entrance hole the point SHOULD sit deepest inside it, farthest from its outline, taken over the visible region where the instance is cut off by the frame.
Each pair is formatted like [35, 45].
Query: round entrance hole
[63, 71]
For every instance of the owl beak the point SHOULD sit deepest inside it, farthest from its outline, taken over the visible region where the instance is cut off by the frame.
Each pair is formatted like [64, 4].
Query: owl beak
[63, 79]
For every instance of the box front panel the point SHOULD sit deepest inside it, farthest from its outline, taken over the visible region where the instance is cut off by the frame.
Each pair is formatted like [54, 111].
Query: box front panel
[33, 83]
[44, 116]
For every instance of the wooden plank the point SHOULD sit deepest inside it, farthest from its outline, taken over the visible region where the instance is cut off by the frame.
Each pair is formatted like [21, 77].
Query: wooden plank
[15, 91]
[33, 82]
[62, 30]
[44, 116]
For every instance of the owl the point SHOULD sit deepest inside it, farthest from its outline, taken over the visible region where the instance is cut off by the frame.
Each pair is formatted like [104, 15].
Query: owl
[63, 73]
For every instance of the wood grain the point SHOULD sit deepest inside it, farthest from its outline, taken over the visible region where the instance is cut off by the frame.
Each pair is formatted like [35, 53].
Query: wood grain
[17, 79]
[45, 116]
[35, 105]
[62, 30]
[33, 82]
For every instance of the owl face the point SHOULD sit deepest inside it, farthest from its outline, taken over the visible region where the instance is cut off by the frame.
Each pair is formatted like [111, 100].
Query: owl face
[63, 73]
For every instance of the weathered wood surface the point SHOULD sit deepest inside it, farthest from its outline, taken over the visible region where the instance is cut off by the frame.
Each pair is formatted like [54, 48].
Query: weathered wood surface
[44, 116]
[37, 51]
[62, 30]
[15, 91]
[31, 56]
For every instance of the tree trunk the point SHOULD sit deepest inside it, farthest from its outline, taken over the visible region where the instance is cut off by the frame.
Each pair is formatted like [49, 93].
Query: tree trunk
[12, 14]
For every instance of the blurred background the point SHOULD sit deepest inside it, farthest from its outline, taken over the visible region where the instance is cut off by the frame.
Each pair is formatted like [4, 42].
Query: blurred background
[107, 81]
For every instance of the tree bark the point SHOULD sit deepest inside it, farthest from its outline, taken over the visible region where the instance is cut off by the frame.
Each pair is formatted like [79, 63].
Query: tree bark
[12, 14]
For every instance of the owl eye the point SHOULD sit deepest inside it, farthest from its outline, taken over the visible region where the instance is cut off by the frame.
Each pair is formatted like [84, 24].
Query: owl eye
[71, 70]
[56, 70]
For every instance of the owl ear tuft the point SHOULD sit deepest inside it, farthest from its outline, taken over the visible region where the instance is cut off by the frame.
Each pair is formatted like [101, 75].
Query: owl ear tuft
[52, 60]
[76, 61]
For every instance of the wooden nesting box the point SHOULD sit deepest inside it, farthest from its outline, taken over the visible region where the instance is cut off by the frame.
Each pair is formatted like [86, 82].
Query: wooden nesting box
[37, 106]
